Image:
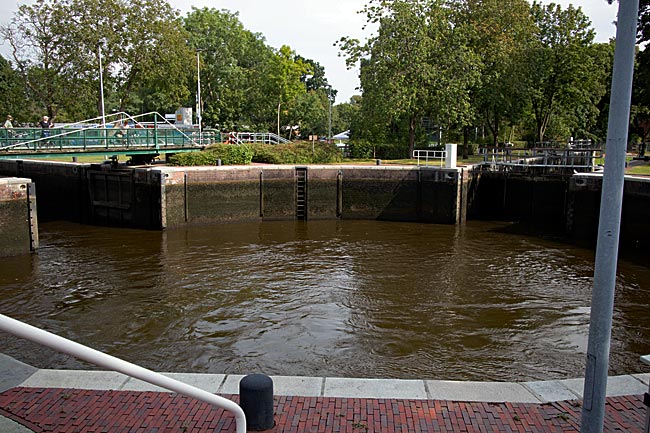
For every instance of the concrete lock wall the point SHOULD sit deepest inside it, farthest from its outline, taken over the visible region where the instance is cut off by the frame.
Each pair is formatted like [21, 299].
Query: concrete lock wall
[18, 221]
[584, 199]
[222, 194]
[535, 199]
[160, 197]
[62, 190]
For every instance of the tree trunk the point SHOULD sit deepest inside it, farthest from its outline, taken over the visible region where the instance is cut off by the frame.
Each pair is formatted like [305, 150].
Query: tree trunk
[465, 142]
[412, 126]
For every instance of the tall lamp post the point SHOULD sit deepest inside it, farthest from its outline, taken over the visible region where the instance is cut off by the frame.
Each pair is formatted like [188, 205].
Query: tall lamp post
[279, 103]
[329, 127]
[101, 83]
[198, 94]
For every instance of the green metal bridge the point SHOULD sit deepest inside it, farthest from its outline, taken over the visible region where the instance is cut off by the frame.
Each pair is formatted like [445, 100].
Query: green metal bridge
[122, 134]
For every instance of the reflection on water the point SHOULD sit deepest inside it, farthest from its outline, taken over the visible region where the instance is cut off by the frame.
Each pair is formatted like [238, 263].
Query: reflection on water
[323, 298]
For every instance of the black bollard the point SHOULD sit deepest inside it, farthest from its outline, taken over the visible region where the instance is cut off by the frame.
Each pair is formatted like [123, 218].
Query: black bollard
[256, 399]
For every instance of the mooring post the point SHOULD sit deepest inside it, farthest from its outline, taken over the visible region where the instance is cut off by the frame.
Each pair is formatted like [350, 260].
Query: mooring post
[256, 400]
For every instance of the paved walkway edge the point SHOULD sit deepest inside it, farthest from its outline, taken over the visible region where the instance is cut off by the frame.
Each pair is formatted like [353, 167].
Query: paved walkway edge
[496, 392]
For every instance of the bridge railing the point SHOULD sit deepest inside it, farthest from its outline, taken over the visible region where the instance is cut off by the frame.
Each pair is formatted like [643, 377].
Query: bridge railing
[123, 132]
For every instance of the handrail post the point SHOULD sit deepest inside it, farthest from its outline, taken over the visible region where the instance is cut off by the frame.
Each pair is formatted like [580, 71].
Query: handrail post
[155, 130]
[93, 356]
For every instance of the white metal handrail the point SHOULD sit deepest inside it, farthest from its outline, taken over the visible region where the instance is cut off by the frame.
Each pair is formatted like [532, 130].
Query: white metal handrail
[93, 356]
[646, 360]
[440, 155]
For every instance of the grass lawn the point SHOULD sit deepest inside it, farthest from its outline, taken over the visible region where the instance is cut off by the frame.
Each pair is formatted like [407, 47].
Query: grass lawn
[639, 169]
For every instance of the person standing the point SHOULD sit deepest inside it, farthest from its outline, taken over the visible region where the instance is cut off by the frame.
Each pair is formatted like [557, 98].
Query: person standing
[45, 124]
[8, 125]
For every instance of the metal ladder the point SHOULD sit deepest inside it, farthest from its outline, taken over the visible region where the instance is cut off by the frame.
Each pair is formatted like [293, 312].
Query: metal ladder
[301, 193]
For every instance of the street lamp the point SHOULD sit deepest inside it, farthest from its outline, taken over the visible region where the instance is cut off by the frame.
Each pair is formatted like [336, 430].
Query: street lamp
[101, 83]
[329, 129]
[198, 93]
[279, 103]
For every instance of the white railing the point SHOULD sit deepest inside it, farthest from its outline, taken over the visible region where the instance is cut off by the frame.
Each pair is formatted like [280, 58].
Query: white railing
[582, 158]
[433, 155]
[646, 360]
[255, 137]
[93, 356]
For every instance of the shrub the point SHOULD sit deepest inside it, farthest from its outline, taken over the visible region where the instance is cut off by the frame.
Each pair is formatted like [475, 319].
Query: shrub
[228, 154]
[363, 149]
[296, 153]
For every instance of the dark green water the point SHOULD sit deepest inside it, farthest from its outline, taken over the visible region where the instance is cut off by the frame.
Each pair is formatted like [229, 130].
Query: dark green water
[323, 298]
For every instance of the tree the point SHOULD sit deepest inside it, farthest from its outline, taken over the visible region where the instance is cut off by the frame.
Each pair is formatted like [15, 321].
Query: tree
[418, 65]
[43, 56]
[14, 100]
[562, 78]
[244, 82]
[500, 31]
[233, 60]
[55, 48]
[641, 88]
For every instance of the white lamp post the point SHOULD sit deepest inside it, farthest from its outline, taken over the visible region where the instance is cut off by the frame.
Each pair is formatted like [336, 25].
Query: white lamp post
[198, 94]
[329, 129]
[101, 83]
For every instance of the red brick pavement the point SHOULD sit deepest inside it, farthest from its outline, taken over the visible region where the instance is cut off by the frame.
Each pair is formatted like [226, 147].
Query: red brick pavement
[89, 411]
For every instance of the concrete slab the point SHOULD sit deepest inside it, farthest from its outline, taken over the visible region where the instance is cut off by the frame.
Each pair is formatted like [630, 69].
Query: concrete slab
[643, 377]
[374, 388]
[10, 426]
[551, 390]
[13, 372]
[206, 382]
[231, 384]
[493, 392]
[297, 386]
[79, 379]
[616, 386]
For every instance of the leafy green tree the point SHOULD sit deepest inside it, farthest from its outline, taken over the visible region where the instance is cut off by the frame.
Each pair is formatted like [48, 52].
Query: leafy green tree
[563, 79]
[43, 56]
[245, 83]
[347, 116]
[418, 65]
[233, 60]
[55, 48]
[500, 31]
[641, 88]
[14, 100]
[285, 81]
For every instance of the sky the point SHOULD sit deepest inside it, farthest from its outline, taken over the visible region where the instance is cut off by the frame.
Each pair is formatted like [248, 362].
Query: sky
[311, 27]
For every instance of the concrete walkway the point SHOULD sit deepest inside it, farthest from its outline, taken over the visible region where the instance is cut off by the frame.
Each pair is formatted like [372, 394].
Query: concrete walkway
[28, 392]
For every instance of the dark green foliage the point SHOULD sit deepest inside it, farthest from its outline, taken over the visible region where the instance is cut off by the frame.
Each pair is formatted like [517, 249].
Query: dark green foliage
[228, 154]
[364, 149]
[296, 153]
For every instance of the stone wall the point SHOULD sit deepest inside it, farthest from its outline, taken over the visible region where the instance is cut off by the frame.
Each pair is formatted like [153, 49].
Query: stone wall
[62, 189]
[221, 194]
[584, 200]
[18, 221]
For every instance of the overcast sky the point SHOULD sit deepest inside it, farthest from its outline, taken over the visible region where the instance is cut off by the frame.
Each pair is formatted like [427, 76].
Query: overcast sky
[311, 27]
